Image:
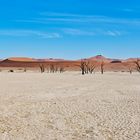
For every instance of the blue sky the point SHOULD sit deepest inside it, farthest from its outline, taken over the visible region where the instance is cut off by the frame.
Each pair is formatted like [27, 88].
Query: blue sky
[69, 29]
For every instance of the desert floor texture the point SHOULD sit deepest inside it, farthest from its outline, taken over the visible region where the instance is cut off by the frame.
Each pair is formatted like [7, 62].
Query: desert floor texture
[69, 106]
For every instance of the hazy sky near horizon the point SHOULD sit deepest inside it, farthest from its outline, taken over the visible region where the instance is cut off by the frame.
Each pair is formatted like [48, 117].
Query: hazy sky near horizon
[69, 29]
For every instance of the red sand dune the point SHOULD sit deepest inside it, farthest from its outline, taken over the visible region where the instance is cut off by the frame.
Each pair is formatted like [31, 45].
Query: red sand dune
[130, 60]
[110, 64]
[100, 58]
[21, 59]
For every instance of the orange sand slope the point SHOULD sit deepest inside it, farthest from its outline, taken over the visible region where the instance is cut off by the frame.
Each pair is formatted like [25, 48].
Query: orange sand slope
[110, 64]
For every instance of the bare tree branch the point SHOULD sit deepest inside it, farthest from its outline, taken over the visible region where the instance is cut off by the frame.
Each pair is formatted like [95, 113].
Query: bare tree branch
[87, 66]
[42, 68]
[137, 62]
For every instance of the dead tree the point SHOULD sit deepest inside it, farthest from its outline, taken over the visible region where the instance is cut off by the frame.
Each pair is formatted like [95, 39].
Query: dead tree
[87, 67]
[102, 67]
[42, 68]
[61, 69]
[137, 63]
[25, 70]
[92, 68]
[82, 66]
[52, 68]
[130, 69]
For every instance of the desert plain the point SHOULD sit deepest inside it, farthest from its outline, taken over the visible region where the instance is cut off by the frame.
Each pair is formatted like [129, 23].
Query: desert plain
[69, 106]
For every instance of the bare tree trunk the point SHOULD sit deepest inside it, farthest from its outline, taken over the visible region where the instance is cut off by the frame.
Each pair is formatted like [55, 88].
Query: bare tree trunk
[25, 69]
[87, 67]
[42, 68]
[130, 70]
[92, 68]
[61, 69]
[82, 66]
[52, 68]
[137, 65]
[102, 67]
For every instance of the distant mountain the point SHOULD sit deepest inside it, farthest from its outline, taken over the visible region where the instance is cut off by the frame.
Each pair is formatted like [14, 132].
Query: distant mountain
[100, 58]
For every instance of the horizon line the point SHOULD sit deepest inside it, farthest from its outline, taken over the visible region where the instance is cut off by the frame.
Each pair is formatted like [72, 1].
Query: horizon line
[61, 58]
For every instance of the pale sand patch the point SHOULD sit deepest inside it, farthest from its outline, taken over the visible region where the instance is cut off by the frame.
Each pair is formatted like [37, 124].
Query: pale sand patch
[69, 106]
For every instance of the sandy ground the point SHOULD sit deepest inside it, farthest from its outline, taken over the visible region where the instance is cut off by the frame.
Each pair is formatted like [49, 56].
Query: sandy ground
[69, 106]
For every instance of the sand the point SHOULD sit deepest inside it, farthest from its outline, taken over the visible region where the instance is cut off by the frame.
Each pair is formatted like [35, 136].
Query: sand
[69, 106]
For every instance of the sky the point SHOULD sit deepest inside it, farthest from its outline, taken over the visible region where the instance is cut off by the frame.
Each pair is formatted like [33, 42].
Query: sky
[69, 29]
